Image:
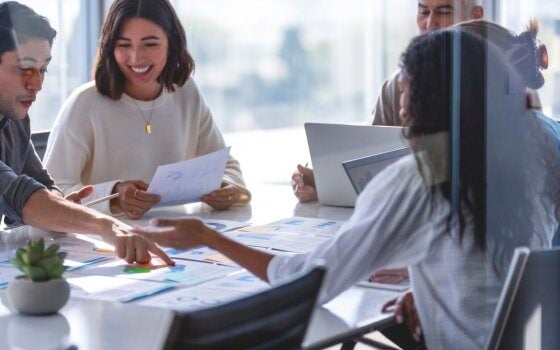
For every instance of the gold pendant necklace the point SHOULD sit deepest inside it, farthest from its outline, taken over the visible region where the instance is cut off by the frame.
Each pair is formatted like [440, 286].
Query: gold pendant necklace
[149, 119]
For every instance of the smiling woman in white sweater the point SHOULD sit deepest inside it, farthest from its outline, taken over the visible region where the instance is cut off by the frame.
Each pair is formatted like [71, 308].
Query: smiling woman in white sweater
[143, 110]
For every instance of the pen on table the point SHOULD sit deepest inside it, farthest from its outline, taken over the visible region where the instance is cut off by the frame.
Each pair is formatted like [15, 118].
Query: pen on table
[103, 199]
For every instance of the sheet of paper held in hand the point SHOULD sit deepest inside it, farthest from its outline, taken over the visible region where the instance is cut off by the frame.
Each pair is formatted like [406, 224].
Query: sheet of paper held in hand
[187, 181]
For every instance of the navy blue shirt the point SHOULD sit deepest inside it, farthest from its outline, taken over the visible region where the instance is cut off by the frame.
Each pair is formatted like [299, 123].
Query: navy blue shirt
[21, 170]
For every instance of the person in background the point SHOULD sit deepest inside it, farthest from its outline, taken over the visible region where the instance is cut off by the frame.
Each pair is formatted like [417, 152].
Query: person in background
[457, 233]
[432, 15]
[28, 194]
[143, 110]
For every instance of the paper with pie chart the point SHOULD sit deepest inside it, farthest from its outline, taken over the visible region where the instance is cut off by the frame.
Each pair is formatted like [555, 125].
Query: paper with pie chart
[187, 181]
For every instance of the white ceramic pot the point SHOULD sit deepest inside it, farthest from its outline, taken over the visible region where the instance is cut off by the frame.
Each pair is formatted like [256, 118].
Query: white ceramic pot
[38, 298]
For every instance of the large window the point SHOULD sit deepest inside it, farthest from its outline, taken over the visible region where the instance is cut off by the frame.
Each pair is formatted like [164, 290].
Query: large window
[270, 64]
[277, 64]
[267, 67]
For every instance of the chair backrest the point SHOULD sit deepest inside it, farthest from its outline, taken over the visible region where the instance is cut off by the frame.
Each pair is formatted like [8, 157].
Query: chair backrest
[39, 140]
[273, 319]
[528, 312]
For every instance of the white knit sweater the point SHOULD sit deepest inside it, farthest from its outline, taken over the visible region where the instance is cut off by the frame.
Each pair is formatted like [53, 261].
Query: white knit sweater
[98, 141]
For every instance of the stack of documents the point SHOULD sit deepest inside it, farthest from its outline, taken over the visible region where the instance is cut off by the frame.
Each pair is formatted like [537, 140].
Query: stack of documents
[202, 277]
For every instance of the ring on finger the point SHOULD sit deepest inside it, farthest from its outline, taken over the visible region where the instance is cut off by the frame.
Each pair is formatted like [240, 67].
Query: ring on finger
[134, 196]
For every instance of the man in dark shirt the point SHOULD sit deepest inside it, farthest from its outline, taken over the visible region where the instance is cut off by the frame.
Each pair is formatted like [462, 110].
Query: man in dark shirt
[28, 194]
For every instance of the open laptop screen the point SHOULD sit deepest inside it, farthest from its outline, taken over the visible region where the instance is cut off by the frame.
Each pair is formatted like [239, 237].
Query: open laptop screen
[361, 170]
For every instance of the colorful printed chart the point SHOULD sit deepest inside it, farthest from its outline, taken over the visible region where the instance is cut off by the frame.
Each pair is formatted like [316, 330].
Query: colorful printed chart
[213, 293]
[74, 259]
[113, 288]
[78, 260]
[299, 225]
[290, 242]
[182, 273]
[84, 244]
[201, 278]
[224, 225]
[218, 225]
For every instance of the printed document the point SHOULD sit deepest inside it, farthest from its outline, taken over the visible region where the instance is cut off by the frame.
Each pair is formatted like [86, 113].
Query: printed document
[187, 181]
[184, 272]
[113, 289]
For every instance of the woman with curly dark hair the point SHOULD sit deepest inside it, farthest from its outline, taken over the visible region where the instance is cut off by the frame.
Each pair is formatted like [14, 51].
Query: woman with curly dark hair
[454, 210]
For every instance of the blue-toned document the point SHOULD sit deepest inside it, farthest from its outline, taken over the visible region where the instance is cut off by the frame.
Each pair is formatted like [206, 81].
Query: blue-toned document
[187, 181]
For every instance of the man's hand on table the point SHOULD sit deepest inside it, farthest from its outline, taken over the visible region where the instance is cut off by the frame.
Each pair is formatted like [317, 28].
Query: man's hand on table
[133, 247]
[182, 233]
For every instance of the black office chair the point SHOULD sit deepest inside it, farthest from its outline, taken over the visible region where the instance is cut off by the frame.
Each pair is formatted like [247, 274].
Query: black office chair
[274, 319]
[39, 140]
[528, 311]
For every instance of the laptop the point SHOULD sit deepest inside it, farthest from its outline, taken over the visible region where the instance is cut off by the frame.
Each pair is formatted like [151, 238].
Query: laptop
[332, 144]
[360, 171]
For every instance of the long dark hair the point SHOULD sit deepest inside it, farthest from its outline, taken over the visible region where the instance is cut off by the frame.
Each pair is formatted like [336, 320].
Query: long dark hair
[179, 66]
[458, 85]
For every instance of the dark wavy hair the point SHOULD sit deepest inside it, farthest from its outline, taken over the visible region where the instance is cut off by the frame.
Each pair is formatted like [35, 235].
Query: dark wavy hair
[19, 23]
[109, 80]
[458, 85]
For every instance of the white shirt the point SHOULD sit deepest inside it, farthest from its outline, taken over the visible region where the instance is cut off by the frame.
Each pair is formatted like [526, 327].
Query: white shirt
[99, 141]
[398, 223]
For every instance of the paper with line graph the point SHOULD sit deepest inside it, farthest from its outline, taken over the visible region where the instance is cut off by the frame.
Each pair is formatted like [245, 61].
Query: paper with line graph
[187, 181]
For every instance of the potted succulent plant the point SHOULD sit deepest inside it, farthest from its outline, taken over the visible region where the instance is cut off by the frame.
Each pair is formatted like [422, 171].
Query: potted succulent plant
[42, 290]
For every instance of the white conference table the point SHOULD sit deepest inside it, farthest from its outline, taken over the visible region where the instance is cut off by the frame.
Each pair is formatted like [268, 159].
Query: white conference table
[93, 324]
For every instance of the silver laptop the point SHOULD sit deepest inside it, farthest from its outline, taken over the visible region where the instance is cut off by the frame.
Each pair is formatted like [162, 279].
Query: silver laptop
[360, 171]
[332, 144]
